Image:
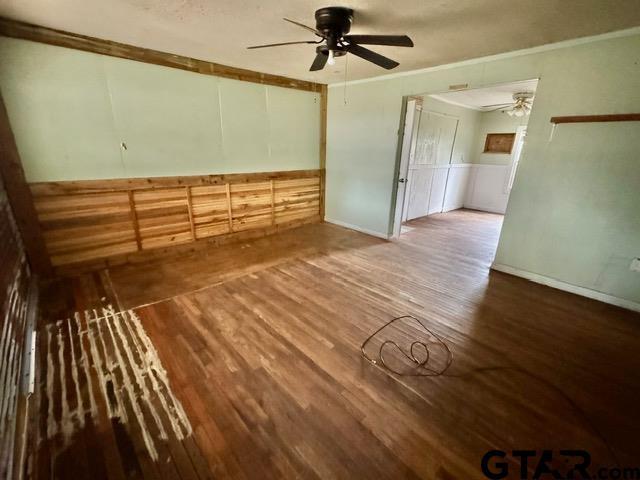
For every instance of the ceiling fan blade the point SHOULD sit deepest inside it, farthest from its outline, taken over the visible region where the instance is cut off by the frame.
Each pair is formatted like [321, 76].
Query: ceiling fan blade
[371, 56]
[304, 26]
[393, 40]
[497, 105]
[278, 44]
[319, 62]
[503, 107]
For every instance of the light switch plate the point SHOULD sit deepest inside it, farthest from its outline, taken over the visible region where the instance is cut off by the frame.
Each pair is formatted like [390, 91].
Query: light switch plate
[635, 265]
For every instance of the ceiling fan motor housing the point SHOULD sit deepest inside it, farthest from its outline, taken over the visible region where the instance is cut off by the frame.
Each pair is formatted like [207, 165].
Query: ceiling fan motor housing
[332, 26]
[334, 23]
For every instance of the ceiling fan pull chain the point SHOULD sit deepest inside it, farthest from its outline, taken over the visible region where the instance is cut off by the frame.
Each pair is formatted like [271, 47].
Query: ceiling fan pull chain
[346, 64]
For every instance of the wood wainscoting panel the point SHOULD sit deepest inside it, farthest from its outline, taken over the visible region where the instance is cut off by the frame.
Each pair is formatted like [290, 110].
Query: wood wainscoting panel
[81, 227]
[103, 220]
[250, 206]
[210, 211]
[163, 217]
[295, 199]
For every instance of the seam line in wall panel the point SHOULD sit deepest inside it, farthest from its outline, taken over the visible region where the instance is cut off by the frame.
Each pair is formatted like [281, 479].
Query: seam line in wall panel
[220, 114]
[116, 129]
[266, 106]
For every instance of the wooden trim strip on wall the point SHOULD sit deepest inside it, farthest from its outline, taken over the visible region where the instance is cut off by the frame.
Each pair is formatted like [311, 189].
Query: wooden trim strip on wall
[190, 208]
[134, 219]
[273, 202]
[617, 117]
[50, 36]
[20, 198]
[228, 190]
[126, 184]
[323, 126]
[323, 145]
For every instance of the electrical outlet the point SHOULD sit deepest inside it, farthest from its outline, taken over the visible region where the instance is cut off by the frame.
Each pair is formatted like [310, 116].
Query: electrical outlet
[635, 265]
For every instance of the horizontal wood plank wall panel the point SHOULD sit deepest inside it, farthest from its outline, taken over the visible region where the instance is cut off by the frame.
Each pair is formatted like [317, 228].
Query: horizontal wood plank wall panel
[296, 198]
[251, 205]
[81, 227]
[210, 212]
[85, 221]
[163, 217]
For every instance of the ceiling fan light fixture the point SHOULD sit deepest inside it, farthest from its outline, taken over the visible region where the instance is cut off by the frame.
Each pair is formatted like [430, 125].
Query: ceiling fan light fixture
[332, 27]
[331, 60]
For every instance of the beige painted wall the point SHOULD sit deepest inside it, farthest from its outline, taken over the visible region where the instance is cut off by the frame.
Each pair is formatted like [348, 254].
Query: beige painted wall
[573, 214]
[70, 111]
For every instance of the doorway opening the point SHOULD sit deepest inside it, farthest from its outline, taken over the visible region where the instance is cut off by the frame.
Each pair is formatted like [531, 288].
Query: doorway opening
[460, 150]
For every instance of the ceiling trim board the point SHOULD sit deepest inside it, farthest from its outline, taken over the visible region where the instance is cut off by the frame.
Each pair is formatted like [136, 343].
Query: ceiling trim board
[50, 36]
[500, 56]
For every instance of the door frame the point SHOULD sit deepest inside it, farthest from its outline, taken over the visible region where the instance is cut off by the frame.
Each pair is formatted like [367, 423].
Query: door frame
[395, 226]
[401, 176]
[406, 139]
[521, 133]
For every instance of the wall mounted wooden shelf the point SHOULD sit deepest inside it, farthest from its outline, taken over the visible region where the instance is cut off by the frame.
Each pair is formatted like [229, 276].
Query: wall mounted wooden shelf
[620, 117]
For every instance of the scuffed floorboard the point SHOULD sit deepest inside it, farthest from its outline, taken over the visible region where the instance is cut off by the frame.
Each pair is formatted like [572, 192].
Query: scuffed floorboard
[261, 344]
[101, 371]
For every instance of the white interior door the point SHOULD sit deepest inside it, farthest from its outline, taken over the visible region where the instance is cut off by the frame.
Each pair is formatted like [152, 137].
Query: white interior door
[413, 139]
[428, 167]
[408, 139]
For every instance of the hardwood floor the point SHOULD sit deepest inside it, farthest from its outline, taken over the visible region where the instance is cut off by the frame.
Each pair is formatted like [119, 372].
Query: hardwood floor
[261, 346]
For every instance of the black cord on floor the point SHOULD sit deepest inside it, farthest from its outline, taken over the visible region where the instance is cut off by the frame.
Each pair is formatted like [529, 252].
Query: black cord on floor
[421, 368]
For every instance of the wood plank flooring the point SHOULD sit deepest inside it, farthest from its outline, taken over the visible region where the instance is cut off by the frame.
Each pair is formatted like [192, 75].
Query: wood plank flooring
[261, 346]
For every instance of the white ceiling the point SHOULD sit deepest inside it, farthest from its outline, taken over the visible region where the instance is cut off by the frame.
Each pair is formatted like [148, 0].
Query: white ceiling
[479, 97]
[444, 31]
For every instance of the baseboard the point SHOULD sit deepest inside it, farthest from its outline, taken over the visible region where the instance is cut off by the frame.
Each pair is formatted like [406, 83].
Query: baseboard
[357, 228]
[451, 208]
[483, 209]
[567, 287]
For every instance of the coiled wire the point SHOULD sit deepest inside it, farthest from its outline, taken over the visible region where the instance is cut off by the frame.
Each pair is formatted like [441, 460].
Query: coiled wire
[421, 368]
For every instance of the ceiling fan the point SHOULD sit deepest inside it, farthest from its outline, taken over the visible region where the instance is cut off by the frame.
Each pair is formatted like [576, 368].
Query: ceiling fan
[521, 105]
[332, 26]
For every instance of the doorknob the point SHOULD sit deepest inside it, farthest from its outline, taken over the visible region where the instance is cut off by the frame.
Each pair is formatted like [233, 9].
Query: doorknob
[401, 180]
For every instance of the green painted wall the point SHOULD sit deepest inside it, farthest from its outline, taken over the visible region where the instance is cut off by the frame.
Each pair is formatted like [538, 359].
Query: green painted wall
[71, 110]
[574, 211]
[494, 122]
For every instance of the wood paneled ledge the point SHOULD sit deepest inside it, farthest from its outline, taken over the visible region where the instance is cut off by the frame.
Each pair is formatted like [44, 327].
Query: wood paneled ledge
[95, 223]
